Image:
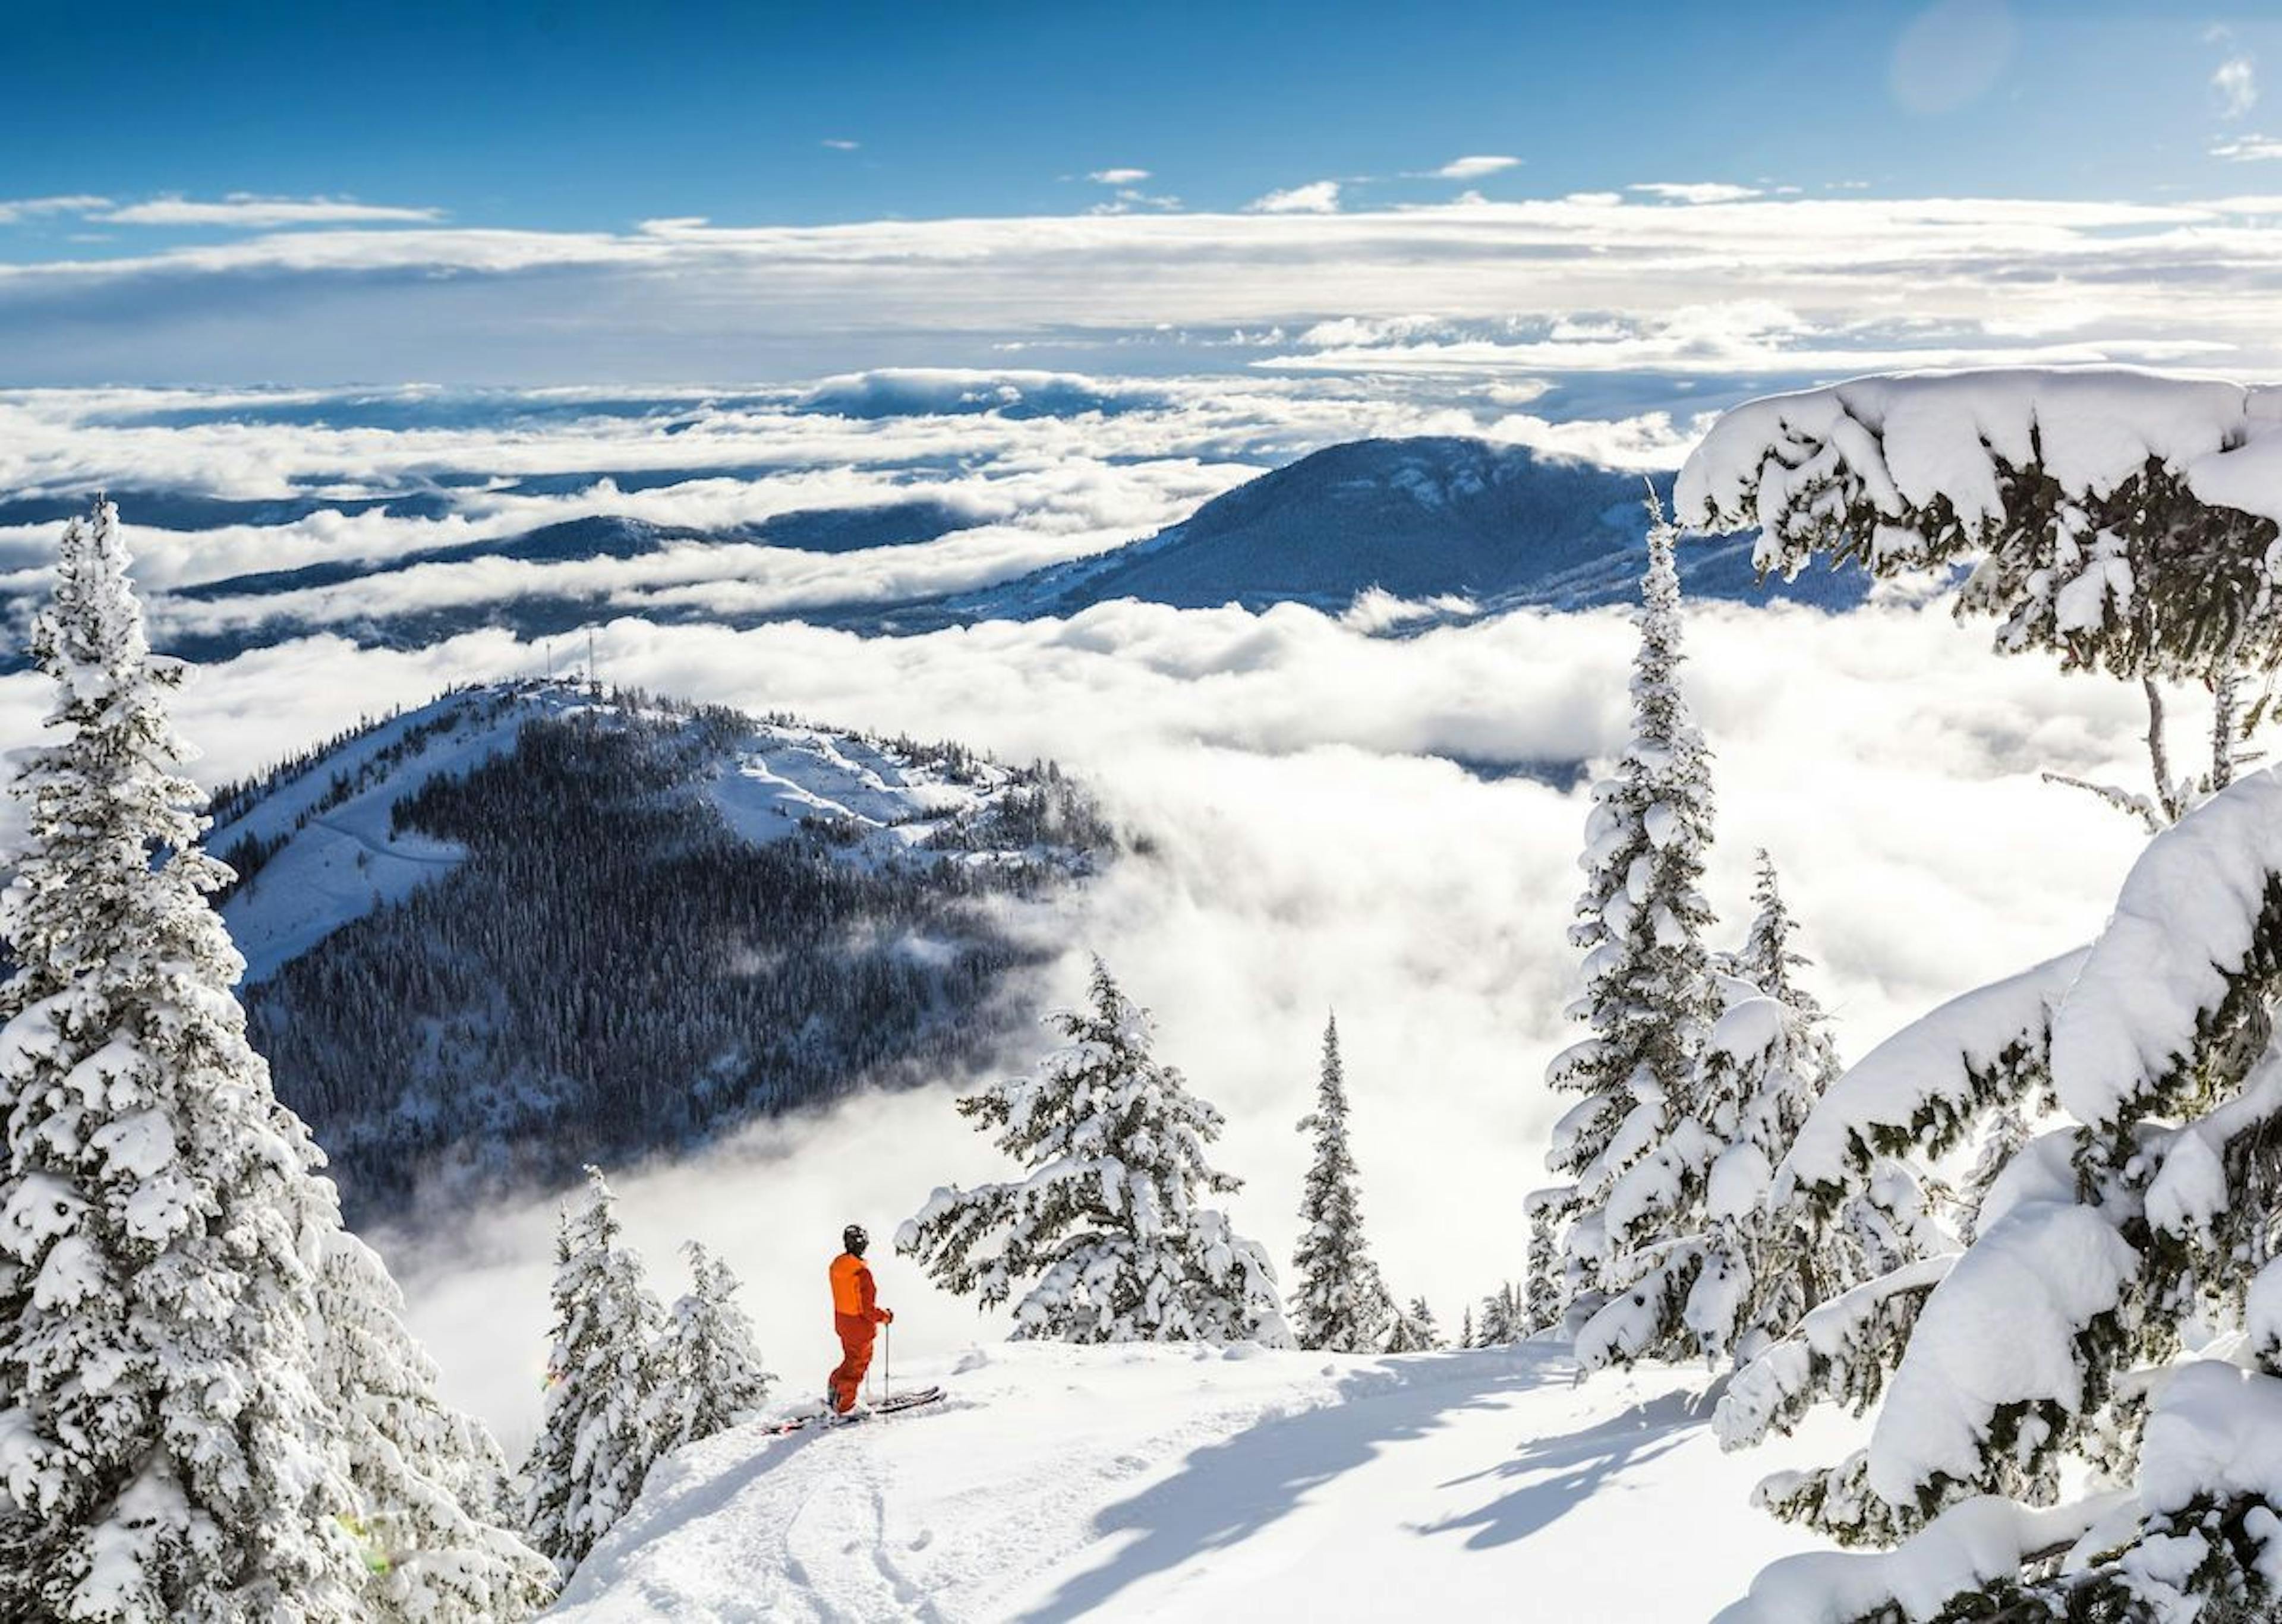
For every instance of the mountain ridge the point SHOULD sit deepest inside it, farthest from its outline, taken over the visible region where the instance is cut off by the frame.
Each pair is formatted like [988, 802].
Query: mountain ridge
[1458, 528]
[530, 924]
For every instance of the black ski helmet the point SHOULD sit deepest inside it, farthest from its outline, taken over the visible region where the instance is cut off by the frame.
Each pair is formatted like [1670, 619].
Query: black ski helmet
[854, 1239]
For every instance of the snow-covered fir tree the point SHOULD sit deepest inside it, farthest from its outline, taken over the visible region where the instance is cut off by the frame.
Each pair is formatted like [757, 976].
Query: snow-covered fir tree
[2093, 505]
[1770, 1256]
[1108, 1224]
[431, 1518]
[167, 1448]
[1649, 997]
[1339, 1302]
[2077, 1416]
[1738, 1261]
[1504, 1317]
[2004, 1138]
[608, 1395]
[710, 1359]
[1412, 1330]
[1546, 1298]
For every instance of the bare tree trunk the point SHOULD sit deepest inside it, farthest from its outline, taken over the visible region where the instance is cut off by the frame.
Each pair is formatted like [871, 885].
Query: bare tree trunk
[2222, 727]
[2158, 757]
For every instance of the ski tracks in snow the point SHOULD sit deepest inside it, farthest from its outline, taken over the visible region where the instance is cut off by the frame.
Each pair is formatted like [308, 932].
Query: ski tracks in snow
[835, 1548]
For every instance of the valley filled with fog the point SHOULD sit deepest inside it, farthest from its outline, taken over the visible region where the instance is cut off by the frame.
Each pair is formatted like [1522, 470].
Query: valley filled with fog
[1366, 810]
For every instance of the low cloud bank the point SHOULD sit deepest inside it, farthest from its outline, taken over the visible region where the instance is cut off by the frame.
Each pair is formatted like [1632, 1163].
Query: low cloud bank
[1334, 820]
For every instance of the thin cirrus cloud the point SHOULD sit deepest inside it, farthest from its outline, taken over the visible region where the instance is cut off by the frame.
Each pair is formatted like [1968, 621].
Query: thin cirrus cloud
[839, 145]
[13, 210]
[248, 211]
[2247, 149]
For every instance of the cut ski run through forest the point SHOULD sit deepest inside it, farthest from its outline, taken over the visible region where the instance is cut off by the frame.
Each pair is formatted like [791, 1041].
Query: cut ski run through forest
[1056, 1483]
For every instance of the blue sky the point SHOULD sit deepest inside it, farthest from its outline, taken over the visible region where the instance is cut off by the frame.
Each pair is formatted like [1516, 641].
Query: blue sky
[582, 115]
[233, 191]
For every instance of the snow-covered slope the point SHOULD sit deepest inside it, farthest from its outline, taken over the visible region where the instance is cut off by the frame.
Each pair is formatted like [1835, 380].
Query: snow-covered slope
[332, 846]
[1188, 1483]
[329, 850]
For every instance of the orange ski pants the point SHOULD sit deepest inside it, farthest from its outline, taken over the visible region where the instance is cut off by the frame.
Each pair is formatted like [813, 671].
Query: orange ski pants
[846, 1379]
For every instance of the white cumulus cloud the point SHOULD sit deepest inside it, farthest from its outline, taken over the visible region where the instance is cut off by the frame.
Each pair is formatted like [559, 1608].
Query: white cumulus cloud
[1473, 168]
[1118, 177]
[1316, 197]
[2247, 149]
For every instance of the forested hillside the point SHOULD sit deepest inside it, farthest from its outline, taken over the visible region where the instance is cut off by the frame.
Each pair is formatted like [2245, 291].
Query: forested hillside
[562, 930]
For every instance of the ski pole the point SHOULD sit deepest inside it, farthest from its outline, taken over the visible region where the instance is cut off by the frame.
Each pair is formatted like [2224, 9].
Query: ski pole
[888, 1365]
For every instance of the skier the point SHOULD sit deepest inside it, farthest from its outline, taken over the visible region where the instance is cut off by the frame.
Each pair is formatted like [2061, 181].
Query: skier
[855, 1312]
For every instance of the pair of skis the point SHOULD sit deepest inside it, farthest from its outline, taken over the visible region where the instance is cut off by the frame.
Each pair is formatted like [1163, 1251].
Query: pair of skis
[885, 1407]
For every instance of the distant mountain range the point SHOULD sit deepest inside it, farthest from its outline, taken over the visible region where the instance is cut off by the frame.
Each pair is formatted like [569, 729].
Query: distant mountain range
[1441, 518]
[1455, 528]
[526, 926]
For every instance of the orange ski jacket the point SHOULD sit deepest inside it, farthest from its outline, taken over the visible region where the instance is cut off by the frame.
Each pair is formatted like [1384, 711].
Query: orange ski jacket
[852, 1292]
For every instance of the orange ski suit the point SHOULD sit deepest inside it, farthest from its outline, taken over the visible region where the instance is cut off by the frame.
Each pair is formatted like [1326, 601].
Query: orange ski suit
[855, 1311]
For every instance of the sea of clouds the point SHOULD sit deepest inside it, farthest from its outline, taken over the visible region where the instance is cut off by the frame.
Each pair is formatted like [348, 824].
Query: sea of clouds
[1334, 820]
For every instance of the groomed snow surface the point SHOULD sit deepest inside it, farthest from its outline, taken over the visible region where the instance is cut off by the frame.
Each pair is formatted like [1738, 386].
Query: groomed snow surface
[1058, 1482]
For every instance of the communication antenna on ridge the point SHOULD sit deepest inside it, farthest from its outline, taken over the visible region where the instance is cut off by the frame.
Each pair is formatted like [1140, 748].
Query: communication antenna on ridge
[594, 680]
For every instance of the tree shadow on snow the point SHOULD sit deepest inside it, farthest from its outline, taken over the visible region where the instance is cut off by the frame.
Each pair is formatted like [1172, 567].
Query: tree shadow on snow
[1582, 1463]
[657, 1515]
[1227, 1492]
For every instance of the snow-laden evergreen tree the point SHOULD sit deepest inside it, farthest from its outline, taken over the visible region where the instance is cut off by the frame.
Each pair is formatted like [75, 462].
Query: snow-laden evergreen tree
[2117, 519]
[2108, 1348]
[1547, 1300]
[2003, 1139]
[431, 1517]
[1738, 1262]
[608, 1395]
[1107, 1222]
[1650, 996]
[1504, 1317]
[1339, 1302]
[1767, 1260]
[711, 1362]
[2077, 1416]
[166, 1449]
[1413, 1329]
